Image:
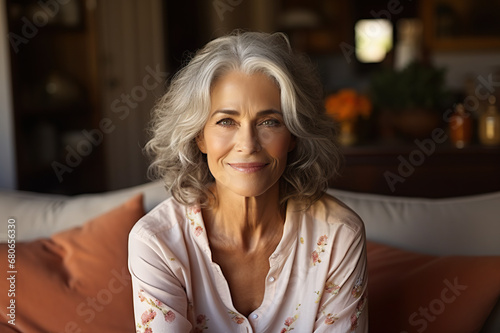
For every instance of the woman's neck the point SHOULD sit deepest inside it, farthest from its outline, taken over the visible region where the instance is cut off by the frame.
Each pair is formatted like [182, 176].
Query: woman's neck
[245, 223]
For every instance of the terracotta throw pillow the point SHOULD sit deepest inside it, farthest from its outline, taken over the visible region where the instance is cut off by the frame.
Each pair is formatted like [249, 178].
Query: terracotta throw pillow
[77, 281]
[410, 292]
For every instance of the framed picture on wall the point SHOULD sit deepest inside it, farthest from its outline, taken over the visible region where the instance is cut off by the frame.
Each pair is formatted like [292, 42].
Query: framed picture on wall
[461, 24]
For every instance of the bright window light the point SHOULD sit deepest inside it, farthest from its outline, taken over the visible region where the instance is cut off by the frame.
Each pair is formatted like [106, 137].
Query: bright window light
[373, 39]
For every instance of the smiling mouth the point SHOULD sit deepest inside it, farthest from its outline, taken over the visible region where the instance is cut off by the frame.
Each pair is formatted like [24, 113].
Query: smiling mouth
[248, 167]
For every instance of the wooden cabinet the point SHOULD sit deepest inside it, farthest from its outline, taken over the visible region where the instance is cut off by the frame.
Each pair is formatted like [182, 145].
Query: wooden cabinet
[55, 95]
[420, 171]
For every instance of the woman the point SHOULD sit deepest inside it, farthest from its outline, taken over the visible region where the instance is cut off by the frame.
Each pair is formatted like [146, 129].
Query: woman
[249, 242]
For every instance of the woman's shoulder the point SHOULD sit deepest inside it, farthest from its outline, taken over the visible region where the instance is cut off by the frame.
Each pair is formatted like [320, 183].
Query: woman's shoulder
[166, 216]
[332, 211]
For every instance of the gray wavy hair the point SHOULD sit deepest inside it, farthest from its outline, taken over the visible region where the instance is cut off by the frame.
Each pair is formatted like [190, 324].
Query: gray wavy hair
[180, 115]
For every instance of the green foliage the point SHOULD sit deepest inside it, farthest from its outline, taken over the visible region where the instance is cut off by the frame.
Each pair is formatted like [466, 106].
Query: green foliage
[416, 86]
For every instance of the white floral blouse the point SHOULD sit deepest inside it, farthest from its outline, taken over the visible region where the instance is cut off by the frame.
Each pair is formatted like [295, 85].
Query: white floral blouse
[316, 282]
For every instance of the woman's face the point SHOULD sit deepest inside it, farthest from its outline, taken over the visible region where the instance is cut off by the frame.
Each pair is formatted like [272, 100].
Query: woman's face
[245, 138]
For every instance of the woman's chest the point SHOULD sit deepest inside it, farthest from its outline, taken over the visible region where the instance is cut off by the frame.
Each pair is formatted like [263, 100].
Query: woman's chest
[246, 278]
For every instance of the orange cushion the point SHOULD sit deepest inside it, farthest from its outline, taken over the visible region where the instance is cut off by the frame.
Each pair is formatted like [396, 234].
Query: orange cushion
[76, 281]
[422, 293]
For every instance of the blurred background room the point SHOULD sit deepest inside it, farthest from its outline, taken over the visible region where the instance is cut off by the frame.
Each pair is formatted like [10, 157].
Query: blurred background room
[414, 86]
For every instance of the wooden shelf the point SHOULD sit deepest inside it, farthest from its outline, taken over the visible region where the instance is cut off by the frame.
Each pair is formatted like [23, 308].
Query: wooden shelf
[409, 170]
[55, 96]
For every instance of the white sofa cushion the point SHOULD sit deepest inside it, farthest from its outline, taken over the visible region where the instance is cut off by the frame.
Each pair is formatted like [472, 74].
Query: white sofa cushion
[460, 226]
[40, 215]
[453, 226]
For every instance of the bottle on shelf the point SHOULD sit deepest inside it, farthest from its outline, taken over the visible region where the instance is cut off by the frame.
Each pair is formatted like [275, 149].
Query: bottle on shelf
[489, 124]
[460, 127]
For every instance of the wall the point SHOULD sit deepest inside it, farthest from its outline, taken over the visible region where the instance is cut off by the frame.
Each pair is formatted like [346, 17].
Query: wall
[462, 64]
[7, 155]
[225, 16]
[133, 77]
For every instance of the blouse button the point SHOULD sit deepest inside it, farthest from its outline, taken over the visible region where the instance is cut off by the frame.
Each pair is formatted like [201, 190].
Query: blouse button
[255, 316]
[271, 279]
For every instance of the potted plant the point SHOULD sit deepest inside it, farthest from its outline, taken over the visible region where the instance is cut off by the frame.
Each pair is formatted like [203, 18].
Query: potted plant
[409, 101]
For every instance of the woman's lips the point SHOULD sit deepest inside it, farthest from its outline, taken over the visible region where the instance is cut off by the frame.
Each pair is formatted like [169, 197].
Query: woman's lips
[248, 167]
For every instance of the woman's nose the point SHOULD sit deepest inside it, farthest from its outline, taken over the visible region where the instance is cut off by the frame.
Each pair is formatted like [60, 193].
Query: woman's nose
[247, 140]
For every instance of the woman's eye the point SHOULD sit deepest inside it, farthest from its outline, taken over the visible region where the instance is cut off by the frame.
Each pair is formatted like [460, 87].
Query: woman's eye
[225, 122]
[271, 122]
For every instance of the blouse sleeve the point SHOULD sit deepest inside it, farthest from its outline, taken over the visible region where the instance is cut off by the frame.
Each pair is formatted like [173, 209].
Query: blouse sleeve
[344, 303]
[160, 301]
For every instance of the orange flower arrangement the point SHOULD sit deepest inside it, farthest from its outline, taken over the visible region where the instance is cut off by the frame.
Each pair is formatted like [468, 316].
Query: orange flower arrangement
[347, 105]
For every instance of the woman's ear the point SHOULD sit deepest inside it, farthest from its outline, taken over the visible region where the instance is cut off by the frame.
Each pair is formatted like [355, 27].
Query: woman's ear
[200, 141]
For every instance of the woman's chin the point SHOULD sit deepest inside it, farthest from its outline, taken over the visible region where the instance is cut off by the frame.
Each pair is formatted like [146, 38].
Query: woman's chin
[248, 190]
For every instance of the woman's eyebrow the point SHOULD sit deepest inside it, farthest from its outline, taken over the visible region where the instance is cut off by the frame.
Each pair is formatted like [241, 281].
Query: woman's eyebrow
[236, 113]
[270, 111]
[225, 111]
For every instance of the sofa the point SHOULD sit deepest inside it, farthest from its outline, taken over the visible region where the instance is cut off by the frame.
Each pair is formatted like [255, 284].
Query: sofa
[434, 264]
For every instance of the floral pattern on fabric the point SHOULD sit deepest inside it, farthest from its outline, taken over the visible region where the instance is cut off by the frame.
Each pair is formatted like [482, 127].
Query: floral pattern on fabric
[319, 293]
[201, 323]
[191, 214]
[315, 255]
[357, 313]
[150, 314]
[330, 288]
[331, 319]
[147, 317]
[358, 288]
[289, 321]
[236, 317]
